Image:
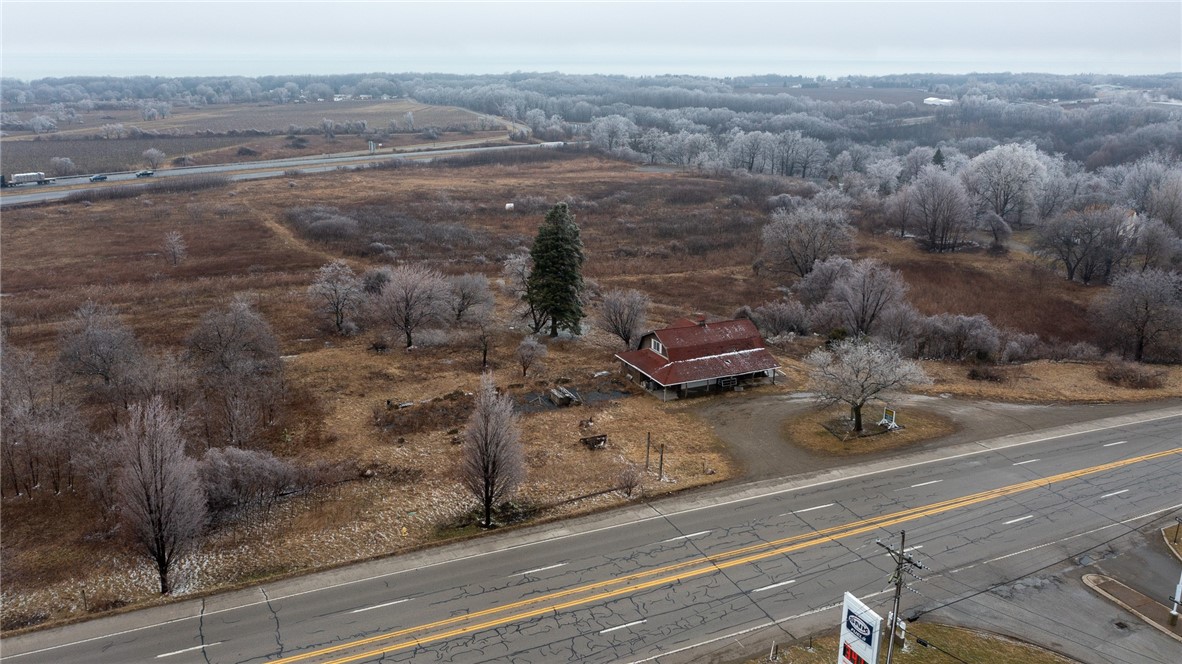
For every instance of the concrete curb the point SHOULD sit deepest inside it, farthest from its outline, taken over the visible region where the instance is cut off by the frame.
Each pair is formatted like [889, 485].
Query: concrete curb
[1170, 547]
[1093, 581]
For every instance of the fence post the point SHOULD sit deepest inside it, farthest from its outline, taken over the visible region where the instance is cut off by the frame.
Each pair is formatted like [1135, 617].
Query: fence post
[661, 464]
[648, 446]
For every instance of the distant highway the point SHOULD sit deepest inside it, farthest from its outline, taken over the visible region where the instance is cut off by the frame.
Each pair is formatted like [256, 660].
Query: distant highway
[255, 170]
[681, 580]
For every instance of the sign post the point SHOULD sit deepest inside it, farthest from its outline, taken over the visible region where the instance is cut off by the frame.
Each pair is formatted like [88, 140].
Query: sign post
[888, 419]
[861, 633]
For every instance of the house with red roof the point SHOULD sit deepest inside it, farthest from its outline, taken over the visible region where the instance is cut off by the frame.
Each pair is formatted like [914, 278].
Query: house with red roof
[698, 355]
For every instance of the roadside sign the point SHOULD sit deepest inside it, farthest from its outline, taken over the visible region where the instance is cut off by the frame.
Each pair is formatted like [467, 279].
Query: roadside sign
[888, 419]
[861, 633]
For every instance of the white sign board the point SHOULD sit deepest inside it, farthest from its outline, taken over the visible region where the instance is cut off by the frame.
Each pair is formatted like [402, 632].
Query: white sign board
[861, 633]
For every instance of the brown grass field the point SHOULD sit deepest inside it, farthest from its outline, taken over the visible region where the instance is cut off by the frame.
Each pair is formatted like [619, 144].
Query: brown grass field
[181, 134]
[687, 239]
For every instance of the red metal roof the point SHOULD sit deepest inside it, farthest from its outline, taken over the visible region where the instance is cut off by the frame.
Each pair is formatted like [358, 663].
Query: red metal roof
[701, 352]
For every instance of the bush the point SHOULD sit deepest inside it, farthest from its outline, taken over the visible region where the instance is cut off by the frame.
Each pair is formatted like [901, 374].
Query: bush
[986, 373]
[1131, 375]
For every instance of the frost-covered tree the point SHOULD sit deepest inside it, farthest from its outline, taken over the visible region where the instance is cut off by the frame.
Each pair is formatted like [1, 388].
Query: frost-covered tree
[856, 371]
[153, 158]
[795, 240]
[158, 491]
[416, 297]
[1143, 312]
[1005, 180]
[940, 208]
[337, 293]
[492, 459]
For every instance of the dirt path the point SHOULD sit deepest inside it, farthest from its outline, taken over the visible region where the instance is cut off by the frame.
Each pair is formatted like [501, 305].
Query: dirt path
[751, 426]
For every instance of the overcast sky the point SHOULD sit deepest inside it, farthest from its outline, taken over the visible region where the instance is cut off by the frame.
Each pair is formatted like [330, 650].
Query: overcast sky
[166, 38]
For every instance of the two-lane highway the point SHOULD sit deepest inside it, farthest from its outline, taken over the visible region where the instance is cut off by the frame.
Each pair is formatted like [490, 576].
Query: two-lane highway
[659, 581]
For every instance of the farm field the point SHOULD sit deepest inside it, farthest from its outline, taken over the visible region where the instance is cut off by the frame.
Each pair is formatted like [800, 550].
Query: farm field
[687, 239]
[249, 126]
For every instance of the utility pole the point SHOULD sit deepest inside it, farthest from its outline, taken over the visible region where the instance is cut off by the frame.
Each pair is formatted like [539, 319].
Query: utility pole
[903, 565]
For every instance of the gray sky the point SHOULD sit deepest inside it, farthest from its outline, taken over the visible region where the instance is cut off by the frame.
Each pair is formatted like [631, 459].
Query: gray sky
[167, 38]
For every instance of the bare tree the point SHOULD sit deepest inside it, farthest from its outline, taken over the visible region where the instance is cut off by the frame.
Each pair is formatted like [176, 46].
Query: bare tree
[153, 157]
[623, 313]
[864, 294]
[97, 345]
[516, 271]
[1143, 311]
[337, 293]
[414, 298]
[793, 241]
[469, 295]
[237, 359]
[940, 208]
[158, 491]
[174, 247]
[856, 371]
[492, 462]
[529, 353]
[1088, 244]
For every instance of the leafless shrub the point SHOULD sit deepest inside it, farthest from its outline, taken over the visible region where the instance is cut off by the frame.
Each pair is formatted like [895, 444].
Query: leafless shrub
[237, 478]
[630, 478]
[1131, 375]
[986, 373]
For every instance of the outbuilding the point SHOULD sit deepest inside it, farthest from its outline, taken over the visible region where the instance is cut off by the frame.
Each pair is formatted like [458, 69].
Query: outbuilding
[694, 355]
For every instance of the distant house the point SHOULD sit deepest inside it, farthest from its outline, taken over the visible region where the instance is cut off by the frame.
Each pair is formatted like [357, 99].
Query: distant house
[698, 356]
[936, 101]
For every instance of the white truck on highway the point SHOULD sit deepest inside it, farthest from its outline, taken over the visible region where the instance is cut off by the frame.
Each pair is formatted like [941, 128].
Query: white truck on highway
[24, 178]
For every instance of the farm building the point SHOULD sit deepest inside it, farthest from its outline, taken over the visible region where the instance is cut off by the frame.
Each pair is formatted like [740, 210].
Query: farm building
[936, 101]
[698, 356]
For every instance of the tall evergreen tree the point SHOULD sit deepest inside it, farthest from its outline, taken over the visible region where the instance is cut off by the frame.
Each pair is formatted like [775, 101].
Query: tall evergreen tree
[938, 158]
[556, 282]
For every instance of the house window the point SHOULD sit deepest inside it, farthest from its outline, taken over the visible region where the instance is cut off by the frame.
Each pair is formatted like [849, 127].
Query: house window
[657, 347]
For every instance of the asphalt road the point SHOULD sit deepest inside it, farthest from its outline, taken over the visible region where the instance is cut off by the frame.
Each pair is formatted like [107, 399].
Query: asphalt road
[686, 579]
[255, 170]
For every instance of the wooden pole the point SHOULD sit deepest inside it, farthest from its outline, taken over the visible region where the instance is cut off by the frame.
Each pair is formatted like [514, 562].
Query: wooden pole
[661, 464]
[648, 446]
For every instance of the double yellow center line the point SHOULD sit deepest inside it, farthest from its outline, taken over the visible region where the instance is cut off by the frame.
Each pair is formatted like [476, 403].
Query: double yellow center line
[623, 585]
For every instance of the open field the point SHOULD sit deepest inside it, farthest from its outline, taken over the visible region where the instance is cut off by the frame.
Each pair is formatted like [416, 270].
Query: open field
[215, 134]
[267, 117]
[687, 239]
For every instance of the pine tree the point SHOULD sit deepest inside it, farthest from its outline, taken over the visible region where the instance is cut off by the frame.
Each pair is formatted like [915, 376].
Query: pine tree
[556, 283]
[938, 158]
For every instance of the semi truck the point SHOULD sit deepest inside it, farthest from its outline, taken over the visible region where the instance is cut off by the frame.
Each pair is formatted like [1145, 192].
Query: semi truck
[24, 178]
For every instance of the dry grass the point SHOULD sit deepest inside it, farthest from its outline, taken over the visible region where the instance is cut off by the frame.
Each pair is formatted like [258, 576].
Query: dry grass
[824, 431]
[675, 235]
[1045, 381]
[969, 645]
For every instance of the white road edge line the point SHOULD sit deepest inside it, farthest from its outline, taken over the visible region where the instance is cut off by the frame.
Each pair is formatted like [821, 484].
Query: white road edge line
[1071, 537]
[612, 629]
[916, 486]
[1011, 521]
[809, 509]
[381, 606]
[535, 571]
[1119, 442]
[658, 515]
[1023, 463]
[689, 536]
[1114, 493]
[203, 646]
[774, 585]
